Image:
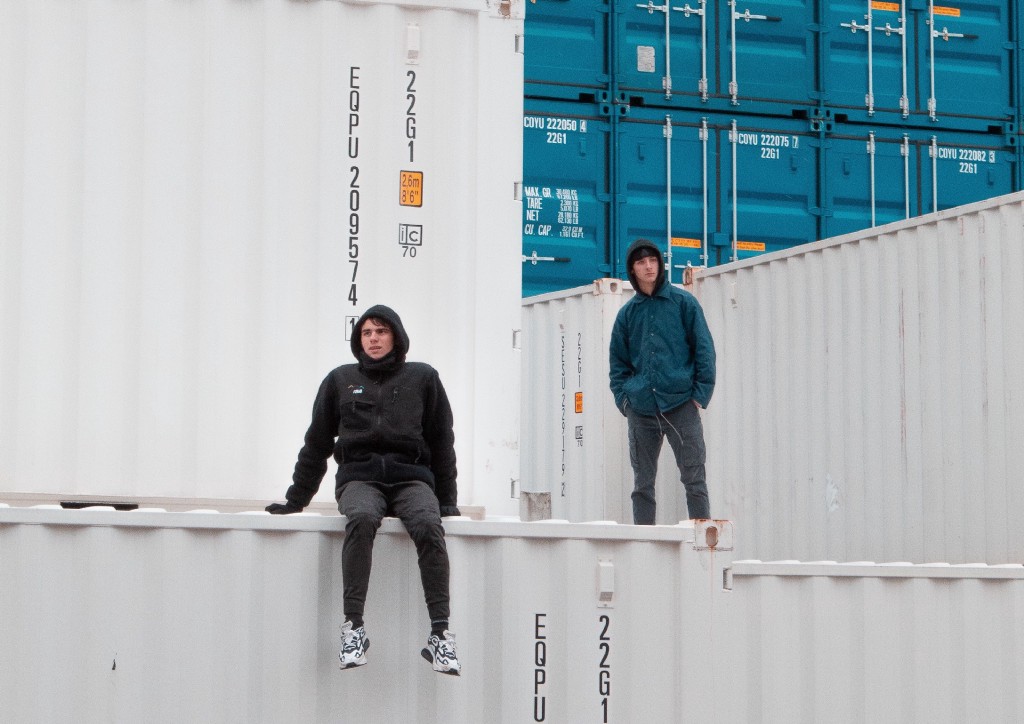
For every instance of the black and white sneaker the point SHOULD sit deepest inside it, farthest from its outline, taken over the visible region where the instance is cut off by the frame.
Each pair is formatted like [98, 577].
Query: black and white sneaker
[440, 652]
[353, 646]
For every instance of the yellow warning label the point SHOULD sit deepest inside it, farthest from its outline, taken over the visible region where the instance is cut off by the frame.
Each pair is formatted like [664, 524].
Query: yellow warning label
[410, 188]
[688, 243]
[888, 7]
[750, 245]
[950, 12]
[579, 402]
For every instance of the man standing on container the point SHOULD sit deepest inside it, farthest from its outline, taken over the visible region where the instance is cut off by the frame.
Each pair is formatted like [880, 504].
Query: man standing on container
[389, 425]
[662, 373]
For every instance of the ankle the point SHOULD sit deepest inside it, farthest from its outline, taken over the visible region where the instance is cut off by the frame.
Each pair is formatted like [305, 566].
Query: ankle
[438, 627]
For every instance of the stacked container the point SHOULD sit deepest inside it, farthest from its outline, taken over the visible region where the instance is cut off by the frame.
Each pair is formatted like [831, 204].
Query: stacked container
[722, 131]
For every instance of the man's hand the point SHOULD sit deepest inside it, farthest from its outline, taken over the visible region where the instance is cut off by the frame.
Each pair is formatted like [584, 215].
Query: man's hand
[283, 509]
[448, 511]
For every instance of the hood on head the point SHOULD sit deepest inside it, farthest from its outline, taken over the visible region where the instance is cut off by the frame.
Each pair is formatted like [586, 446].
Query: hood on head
[638, 249]
[390, 316]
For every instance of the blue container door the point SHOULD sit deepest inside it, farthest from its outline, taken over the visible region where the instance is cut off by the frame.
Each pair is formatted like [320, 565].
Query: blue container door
[662, 53]
[566, 153]
[890, 61]
[652, 166]
[964, 60]
[566, 49]
[866, 66]
[767, 54]
[958, 168]
[768, 177]
[868, 179]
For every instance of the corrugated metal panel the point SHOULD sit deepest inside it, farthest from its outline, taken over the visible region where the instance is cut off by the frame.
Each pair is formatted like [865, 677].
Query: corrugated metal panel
[184, 616]
[198, 198]
[869, 389]
[685, 57]
[567, 49]
[820, 642]
[578, 454]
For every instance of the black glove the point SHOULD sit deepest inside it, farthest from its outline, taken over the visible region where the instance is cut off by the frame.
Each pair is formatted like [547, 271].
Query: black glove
[283, 509]
[448, 511]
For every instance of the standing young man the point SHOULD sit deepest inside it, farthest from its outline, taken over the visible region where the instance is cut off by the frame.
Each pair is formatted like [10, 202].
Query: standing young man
[662, 373]
[388, 424]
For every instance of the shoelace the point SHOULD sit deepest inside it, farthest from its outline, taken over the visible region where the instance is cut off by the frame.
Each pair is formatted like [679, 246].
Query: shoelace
[353, 642]
[444, 650]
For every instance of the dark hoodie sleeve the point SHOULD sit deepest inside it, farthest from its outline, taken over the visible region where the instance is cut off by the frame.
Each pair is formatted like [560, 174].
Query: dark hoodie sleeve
[319, 444]
[438, 431]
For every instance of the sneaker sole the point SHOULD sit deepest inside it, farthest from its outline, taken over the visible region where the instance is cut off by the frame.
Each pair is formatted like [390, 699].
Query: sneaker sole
[363, 662]
[425, 653]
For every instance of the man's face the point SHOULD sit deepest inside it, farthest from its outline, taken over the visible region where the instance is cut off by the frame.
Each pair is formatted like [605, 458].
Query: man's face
[646, 270]
[378, 339]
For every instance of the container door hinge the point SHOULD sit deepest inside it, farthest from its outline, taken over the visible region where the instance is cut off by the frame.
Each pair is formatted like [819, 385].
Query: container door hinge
[727, 578]
[520, 45]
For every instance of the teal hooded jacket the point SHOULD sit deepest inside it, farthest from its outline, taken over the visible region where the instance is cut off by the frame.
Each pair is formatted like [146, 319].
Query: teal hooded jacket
[661, 352]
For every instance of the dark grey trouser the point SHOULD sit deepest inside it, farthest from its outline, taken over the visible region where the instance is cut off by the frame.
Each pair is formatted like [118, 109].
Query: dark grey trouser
[414, 503]
[685, 433]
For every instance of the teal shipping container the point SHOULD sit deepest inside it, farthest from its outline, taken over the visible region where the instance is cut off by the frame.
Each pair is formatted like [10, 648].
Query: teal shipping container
[712, 188]
[879, 174]
[566, 193]
[953, 64]
[739, 186]
[910, 62]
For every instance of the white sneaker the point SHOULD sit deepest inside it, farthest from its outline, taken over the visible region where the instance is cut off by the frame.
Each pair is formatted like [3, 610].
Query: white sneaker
[353, 646]
[440, 652]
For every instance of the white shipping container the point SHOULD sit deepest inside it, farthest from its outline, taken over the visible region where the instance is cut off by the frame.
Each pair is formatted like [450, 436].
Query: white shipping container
[198, 199]
[573, 437]
[868, 389]
[155, 616]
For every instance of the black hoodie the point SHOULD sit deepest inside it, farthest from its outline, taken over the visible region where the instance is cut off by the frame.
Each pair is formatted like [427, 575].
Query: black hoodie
[384, 420]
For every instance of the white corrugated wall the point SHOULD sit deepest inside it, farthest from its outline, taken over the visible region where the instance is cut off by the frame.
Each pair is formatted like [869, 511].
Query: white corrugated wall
[124, 617]
[196, 198]
[232, 617]
[578, 454]
[869, 391]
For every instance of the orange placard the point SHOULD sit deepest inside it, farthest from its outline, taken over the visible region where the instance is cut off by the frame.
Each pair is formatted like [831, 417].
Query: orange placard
[949, 12]
[579, 402]
[688, 243]
[750, 245]
[410, 188]
[891, 7]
